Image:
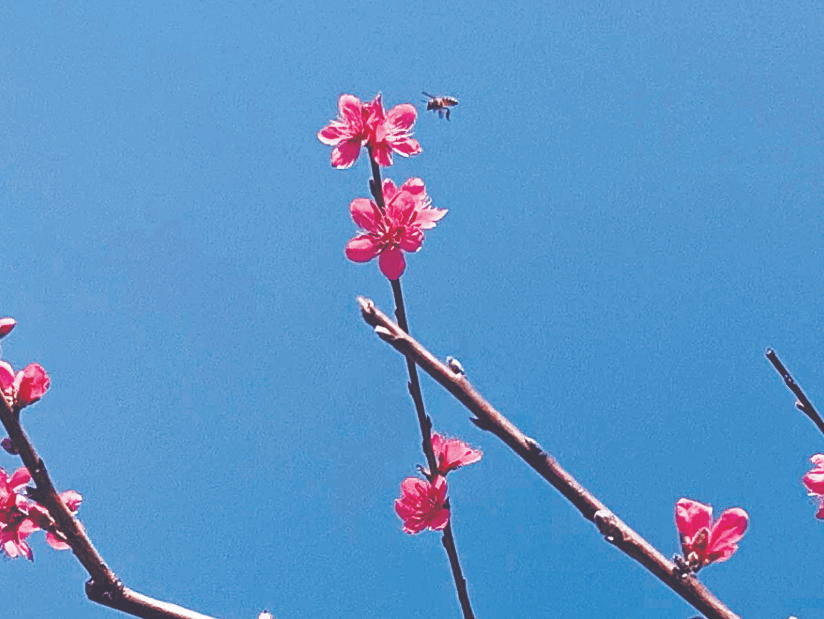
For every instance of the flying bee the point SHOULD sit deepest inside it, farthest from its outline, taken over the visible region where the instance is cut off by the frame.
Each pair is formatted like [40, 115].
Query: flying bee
[440, 104]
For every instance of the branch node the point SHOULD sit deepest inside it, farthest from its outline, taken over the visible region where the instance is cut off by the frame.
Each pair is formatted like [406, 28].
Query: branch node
[608, 525]
[385, 334]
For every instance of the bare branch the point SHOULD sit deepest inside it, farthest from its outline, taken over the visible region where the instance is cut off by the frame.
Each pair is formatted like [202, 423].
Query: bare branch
[802, 404]
[488, 418]
[103, 587]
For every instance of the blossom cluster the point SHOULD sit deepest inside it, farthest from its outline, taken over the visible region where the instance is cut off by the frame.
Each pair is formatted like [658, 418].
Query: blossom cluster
[394, 224]
[423, 503]
[703, 540]
[26, 386]
[20, 517]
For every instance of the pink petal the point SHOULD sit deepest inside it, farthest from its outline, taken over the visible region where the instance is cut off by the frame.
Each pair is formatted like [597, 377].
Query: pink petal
[427, 217]
[382, 155]
[440, 520]
[346, 154]
[20, 478]
[72, 499]
[26, 528]
[365, 214]
[6, 325]
[726, 533]
[55, 542]
[691, 516]
[362, 248]
[333, 133]
[392, 263]
[6, 376]
[412, 240]
[401, 117]
[401, 208]
[350, 109]
[453, 454]
[30, 385]
[406, 147]
[814, 480]
[390, 190]
[818, 460]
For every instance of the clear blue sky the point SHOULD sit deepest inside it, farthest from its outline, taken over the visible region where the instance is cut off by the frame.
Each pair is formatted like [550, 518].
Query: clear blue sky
[634, 202]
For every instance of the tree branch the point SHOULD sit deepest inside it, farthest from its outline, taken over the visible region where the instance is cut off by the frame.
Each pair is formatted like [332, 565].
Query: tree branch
[488, 418]
[103, 587]
[803, 404]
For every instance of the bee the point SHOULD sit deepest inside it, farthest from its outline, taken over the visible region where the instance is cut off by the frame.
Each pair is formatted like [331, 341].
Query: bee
[440, 104]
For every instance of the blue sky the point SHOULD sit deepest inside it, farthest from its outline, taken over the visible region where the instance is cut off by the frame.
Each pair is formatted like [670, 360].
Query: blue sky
[634, 216]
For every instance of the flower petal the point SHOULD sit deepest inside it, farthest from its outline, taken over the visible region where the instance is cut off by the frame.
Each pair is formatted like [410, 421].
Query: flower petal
[726, 533]
[362, 248]
[30, 385]
[19, 479]
[392, 263]
[365, 214]
[401, 117]
[389, 190]
[691, 516]
[6, 376]
[406, 147]
[453, 453]
[346, 154]
[411, 240]
[382, 154]
[427, 217]
[6, 325]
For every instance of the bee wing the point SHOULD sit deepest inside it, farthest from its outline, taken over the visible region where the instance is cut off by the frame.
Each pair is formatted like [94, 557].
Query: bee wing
[428, 95]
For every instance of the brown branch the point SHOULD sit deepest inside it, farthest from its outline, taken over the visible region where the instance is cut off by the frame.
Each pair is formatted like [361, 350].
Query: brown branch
[103, 587]
[803, 404]
[424, 421]
[488, 418]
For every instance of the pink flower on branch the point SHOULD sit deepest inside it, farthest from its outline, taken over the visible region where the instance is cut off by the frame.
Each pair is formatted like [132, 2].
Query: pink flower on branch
[704, 541]
[15, 525]
[25, 387]
[391, 131]
[358, 124]
[814, 480]
[347, 133]
[39, 515]
[422, 504]
[398, 229]
[452, 453]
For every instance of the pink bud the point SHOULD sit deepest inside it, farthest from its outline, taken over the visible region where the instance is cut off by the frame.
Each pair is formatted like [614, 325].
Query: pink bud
[6, 325]
[30, 384]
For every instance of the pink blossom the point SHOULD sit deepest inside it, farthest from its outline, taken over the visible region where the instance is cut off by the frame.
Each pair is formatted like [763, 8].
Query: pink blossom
[398, 229]
[6, 325]
[421, 504]
[42, 520]
[704, 541]
[391, 131]
[814, 480]
[358, 124]
[452, 453]
[13, 536]
[15, 525]
[347, 133]
[25, 387]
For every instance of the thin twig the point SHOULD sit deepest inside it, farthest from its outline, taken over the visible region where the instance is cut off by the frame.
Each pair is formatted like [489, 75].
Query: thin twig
[488, 418]
[103, 587]
[802, 404]
[424, 421]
